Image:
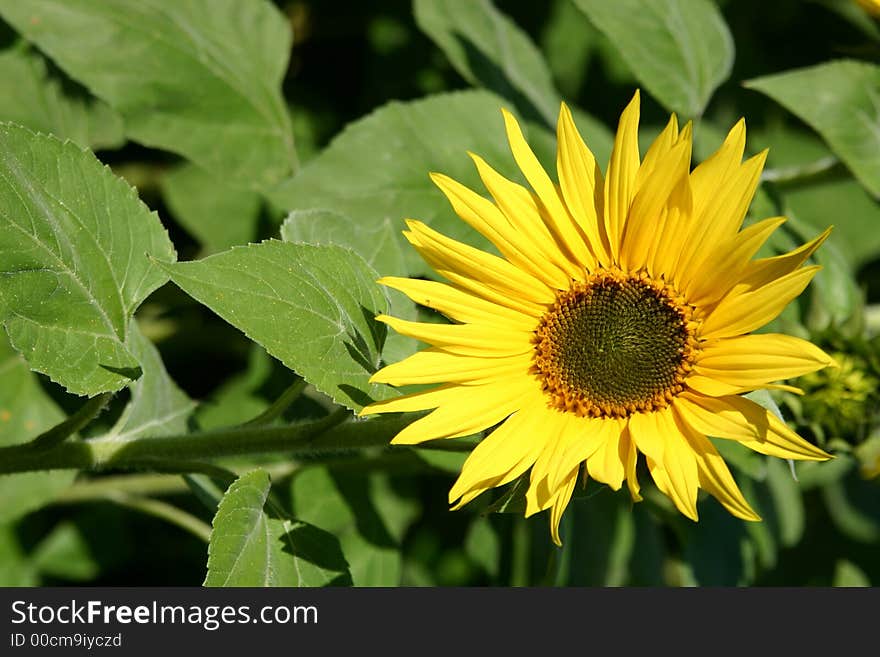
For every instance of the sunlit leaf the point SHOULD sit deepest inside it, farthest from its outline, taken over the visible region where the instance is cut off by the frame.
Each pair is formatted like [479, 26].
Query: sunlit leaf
[312, 307]
[74, 245]
[250, 547]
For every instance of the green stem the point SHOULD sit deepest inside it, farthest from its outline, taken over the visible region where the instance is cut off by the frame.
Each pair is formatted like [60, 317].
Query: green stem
[157, 509]
[149, 484]
[79, 420]
[279, 405]
[167, 452]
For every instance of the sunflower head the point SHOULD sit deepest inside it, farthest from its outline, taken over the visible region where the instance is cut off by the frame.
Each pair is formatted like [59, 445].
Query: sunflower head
[615, 325]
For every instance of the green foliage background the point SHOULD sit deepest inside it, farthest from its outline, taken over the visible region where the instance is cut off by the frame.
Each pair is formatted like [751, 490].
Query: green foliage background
[188, 328]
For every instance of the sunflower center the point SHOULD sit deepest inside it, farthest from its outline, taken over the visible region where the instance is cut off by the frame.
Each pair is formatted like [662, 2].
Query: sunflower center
[614, 345]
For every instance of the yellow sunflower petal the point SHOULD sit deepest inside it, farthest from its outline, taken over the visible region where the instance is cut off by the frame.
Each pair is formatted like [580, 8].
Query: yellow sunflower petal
[660, 147]
[741, 419]
[503, 455]
[438, 366]
[674, 488]
[485, 217]
[630, 462]
[670, 460]
[750, 361]
[521, 210]
[606, 463]
[714, 173]
[582, 185]
[623, 169]
[722, 270]
[580, 440]
[560, 221]
[744, 311]
[715, 477]
[761, 272]
[474, 409]
[538, 496]
[560, 501]
[478, 265]
[465, 339]
[712, 387]
[459, 305]
[649, 207]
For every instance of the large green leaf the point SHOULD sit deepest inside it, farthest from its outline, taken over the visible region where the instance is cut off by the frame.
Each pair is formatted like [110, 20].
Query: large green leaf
[33, 98]
[25, 412]
[378, 244]
[488, 49]
[311, 307]
[367, 516]
[74, 241]
[157, 407]
[841, 101]
[249, 547]
[217, 215]
[681, 50]
[196, 77]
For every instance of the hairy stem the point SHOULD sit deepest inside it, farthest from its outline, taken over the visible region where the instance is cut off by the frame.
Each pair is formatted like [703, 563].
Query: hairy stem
[333, 434]
[79, 420]
[155, 508]
[280, 405]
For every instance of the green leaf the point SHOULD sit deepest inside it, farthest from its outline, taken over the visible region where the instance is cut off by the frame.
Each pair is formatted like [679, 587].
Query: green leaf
[311, 307]
[74, 241]
[488, 49]
[681, 50]
[25, 412]
[33, 98]
[157, 407]
[250, 548]
[367, 516]
[216, 214]
[379, 245]
[841, 101]
[199, 78]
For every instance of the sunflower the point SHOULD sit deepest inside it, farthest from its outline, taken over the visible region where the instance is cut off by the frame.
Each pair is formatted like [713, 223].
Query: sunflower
[617, 322]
